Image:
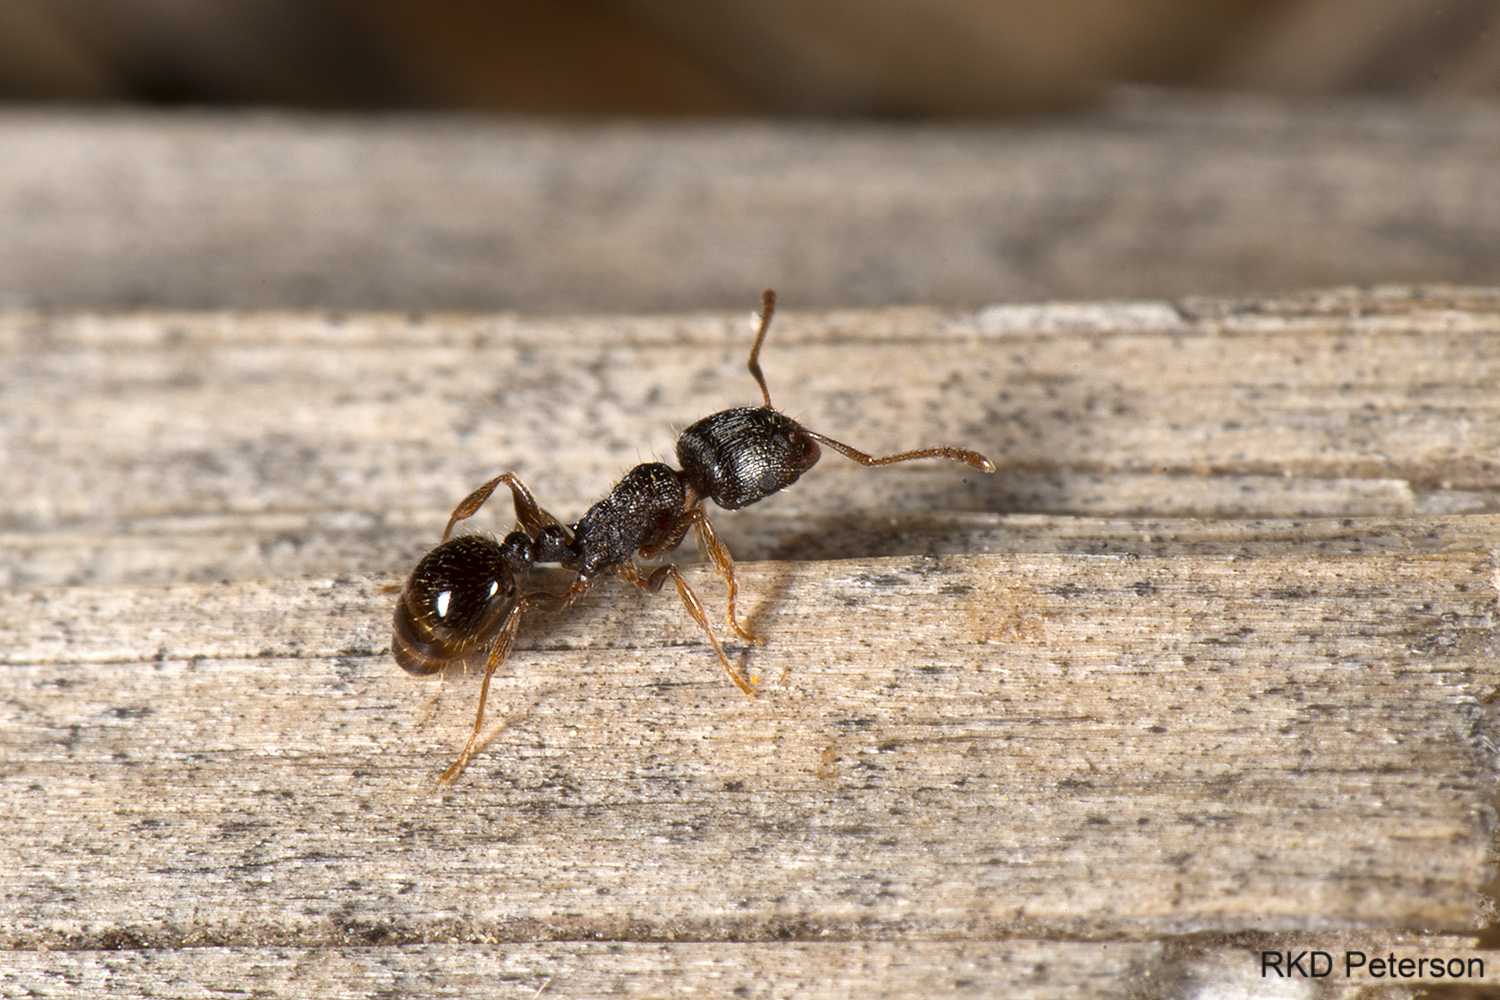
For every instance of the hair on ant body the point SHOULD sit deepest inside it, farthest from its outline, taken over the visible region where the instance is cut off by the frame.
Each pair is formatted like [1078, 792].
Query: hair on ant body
[464, 602]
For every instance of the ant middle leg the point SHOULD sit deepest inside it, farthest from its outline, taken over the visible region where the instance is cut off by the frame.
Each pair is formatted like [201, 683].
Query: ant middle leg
[717, 552]
[532, 517]
[653, 584]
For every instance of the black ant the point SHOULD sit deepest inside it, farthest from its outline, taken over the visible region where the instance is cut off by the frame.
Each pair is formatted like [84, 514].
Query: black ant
[463, 602]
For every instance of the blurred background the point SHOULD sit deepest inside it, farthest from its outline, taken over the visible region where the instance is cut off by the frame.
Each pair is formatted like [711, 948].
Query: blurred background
[714, 57]
[667, 154]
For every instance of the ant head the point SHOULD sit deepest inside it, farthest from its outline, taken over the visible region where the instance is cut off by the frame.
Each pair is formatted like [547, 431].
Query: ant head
[736, 457]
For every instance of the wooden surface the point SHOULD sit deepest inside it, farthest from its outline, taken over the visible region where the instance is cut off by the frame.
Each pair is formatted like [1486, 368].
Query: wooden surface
[1157, 195]
[1207, 668]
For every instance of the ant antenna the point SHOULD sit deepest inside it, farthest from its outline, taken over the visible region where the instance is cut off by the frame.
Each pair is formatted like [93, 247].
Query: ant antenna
[767, 309]
[972, 459]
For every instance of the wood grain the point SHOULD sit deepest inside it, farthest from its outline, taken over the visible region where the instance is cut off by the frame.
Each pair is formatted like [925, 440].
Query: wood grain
[1082, 745]
[1109, 744]
[796, 969]
[1158, 195]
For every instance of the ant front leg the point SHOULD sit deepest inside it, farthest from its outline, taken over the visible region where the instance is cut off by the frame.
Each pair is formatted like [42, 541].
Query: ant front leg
[504, 640]
[653, 584]
[532, 517]
[724, 563]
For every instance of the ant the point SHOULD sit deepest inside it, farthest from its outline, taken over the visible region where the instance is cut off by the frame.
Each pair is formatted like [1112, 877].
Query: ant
[463, 602]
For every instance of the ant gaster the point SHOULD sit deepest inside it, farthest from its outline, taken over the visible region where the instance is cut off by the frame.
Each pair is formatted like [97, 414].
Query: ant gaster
[463, 602]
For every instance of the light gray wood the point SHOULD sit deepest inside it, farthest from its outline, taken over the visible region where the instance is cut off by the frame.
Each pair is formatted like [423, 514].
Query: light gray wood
[1019, 969]
[1081, 751]
[154, 447]
[1156, 195]
[1096, 745]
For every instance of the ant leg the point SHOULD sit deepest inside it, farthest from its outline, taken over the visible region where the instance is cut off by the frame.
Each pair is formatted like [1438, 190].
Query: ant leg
[501, 650]
[581, 586]
[652, 585]
[532, 517]
[716, 550]
[672, 535]
[503, 643]
[724, 563]
[470, 504]
[970, 458]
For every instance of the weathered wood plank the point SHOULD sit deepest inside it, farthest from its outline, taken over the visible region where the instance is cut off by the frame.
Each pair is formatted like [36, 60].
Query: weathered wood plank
[1160, 196]
[179, 446]
[1055, 970]
[1212, 654]
[270, 545]
[966, 747]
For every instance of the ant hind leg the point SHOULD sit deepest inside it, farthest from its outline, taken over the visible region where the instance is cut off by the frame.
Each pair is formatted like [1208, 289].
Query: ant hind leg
[505, 639]
[532, 517]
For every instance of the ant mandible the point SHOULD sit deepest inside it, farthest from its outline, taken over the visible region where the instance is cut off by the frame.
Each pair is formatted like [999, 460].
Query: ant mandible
[464, 603]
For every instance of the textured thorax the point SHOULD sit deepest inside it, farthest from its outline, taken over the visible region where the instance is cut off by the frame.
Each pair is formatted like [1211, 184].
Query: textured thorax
[631, 515]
